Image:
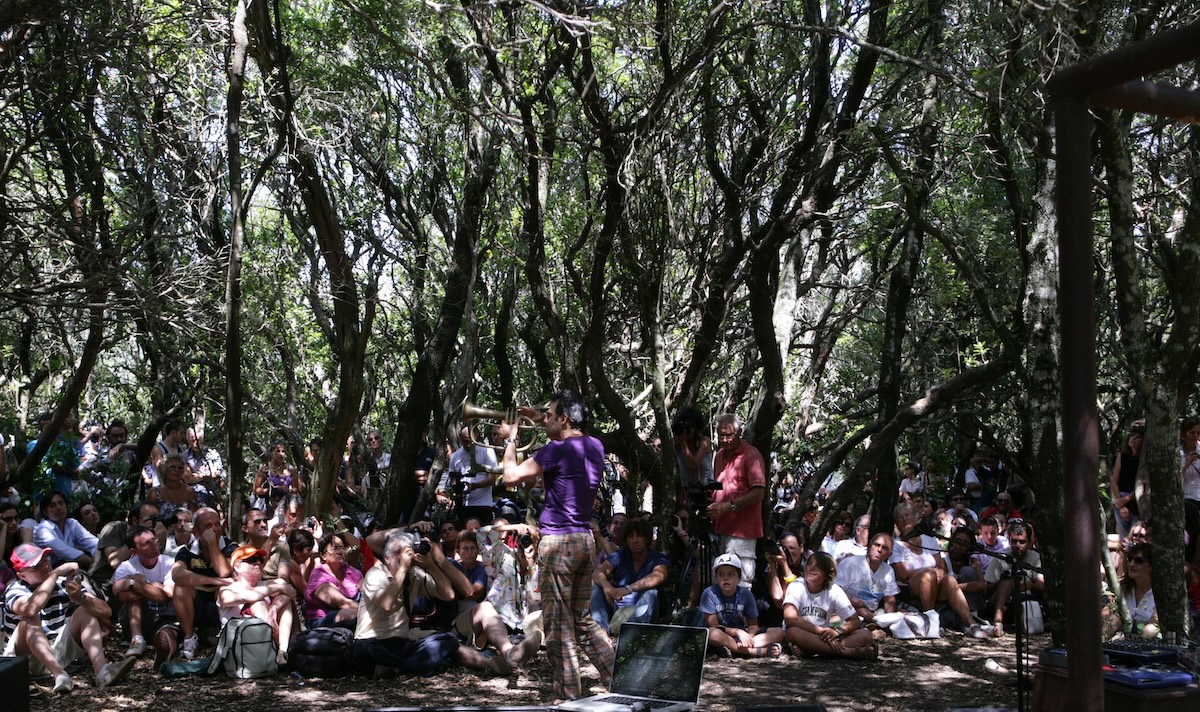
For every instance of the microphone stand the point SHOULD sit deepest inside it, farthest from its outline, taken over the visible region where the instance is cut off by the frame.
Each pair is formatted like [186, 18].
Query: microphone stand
[1018, 569]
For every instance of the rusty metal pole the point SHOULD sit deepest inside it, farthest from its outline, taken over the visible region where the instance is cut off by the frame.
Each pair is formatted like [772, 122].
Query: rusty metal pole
[1081, 456]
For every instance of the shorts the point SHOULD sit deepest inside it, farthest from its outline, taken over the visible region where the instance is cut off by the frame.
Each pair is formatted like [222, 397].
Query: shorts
[66, 649]
[464, 629]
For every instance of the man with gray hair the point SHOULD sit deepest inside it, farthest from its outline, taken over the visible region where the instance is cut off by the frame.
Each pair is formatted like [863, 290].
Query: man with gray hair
[736, 510]
[384, 639]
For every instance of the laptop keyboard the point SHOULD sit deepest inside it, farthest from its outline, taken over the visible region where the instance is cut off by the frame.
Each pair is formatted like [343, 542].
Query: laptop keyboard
[654, 704]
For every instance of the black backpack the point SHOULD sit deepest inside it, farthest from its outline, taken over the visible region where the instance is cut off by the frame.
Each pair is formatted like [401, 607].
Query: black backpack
[322, 652]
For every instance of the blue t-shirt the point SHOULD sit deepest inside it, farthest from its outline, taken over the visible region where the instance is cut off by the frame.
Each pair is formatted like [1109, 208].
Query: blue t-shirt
[732, 612]
[477, 575]
[571, 471]
[623, 574]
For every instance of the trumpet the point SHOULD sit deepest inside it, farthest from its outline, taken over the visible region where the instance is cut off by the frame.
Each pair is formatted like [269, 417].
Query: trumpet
[477, 421]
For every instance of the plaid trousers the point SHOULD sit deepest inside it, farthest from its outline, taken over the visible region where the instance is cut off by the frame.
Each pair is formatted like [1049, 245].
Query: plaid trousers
[565, 579]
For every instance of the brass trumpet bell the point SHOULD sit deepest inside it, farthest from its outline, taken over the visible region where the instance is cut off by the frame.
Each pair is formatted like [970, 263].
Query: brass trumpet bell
[479, 421]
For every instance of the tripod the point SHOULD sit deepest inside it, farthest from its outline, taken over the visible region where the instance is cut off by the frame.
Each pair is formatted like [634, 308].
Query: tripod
[699, 554]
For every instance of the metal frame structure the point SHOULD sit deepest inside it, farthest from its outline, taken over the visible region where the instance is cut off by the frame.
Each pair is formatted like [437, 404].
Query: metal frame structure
[1113, 80]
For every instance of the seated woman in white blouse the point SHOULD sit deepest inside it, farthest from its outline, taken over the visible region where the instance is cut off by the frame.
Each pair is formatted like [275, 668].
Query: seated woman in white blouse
[1137, 594]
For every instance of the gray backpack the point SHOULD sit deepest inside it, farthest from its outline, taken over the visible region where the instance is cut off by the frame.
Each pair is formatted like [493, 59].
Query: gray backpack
[246, 648]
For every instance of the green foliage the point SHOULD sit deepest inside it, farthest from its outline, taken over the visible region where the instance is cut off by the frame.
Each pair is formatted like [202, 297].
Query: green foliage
[664, 152]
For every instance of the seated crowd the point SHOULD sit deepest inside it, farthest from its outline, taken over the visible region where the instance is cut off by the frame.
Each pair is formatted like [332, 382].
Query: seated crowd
[461, 586]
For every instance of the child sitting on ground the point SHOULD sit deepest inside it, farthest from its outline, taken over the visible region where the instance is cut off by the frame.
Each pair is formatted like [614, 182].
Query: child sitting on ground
[811, 602]
[731, 614]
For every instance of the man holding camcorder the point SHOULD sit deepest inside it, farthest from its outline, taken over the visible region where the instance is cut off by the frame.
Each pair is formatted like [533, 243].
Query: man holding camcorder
[736, 510]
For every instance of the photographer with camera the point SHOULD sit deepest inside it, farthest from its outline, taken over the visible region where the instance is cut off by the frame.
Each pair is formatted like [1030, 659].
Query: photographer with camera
[383, 636]
[736, 509]
[693, 449]
[467, 484]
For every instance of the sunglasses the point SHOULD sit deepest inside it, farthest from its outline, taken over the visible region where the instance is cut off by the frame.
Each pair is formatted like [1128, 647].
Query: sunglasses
[262, 520]
[1137, 560]
[253, 561]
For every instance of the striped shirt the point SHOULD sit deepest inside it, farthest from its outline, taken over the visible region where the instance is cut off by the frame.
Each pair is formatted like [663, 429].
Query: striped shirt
[54, 615]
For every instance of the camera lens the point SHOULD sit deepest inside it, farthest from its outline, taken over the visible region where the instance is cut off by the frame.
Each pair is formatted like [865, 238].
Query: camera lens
[421, 547]
[526, 540]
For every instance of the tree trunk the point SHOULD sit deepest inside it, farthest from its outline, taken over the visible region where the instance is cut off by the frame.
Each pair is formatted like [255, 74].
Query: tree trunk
[239, 43]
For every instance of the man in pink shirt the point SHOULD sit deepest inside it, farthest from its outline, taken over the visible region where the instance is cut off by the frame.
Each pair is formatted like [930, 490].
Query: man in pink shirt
[736, 510]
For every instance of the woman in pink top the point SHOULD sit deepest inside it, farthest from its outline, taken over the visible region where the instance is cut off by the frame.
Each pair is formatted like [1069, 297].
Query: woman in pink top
[332, 594]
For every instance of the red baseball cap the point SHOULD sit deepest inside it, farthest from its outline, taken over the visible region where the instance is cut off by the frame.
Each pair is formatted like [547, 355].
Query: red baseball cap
[26, 556]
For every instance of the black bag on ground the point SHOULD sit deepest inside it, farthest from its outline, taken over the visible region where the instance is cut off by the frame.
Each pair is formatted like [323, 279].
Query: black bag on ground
[321, 652]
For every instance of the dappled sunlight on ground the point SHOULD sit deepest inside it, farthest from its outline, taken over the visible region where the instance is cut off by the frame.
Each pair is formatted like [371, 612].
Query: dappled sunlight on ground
[915, 675]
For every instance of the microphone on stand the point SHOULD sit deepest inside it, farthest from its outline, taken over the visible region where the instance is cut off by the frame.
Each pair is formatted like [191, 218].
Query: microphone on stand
[924, 527]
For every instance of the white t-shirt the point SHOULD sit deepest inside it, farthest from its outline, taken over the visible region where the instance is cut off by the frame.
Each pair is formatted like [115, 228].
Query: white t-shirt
[476, 472]
[1191, 477]
[858, 580]
[915, 559]
[848, 547]
[159, 573]
[816, 607]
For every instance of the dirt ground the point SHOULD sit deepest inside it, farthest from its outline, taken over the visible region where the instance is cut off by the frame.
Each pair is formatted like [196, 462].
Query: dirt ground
[910, 675]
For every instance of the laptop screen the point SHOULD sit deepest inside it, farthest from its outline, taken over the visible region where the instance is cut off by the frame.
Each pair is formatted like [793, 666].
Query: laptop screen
[660, 661]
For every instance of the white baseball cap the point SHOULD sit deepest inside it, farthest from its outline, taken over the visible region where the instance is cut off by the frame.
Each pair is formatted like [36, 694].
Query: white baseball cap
[728, 560]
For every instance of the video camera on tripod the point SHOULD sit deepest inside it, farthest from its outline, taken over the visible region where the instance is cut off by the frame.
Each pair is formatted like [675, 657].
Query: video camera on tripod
[698, 496]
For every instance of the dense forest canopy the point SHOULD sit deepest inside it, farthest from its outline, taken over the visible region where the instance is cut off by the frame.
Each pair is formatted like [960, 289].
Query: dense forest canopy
[835, 219]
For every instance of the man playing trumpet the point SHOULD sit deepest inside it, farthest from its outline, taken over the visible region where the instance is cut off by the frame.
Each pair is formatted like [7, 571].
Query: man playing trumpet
[571, 467]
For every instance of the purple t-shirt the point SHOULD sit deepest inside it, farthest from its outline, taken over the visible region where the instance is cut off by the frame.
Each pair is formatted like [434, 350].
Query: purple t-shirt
[571, 471]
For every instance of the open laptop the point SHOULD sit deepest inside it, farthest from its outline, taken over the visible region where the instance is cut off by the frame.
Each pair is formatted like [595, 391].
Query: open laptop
[660, 665]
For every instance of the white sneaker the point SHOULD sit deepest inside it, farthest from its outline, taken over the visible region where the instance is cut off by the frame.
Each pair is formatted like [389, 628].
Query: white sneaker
[137, 647]
[976, 631]
[187, 651]
[113, 672]
[526, 649]
[62, 683]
